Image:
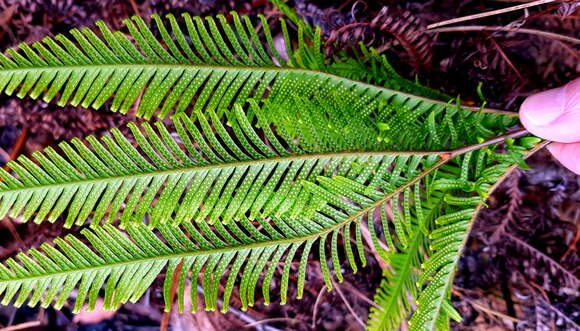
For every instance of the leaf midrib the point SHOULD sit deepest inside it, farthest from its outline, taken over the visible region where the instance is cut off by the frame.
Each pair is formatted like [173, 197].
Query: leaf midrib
[176, 171]
[254, 68]
[220, 250]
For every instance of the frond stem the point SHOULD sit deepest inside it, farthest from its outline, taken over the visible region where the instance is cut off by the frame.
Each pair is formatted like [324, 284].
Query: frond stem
[495, 140]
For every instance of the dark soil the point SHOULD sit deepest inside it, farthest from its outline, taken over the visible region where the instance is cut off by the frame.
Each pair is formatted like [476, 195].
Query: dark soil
[520, 269]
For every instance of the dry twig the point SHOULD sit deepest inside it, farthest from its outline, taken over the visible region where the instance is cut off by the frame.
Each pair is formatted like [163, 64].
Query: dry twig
[507, 59]
[367, 237]
[482, 308]
[22, 326]
[165, 319]
[361, 296]
[315, 309]
[347, 304]
[572, 245]
[27, 325]
[546, 34]
[489, 13]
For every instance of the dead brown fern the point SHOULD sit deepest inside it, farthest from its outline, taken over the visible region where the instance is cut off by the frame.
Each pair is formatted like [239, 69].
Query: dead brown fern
[515, 200]
[542, 316]
[387, 31]
[538, 257]
[561, 319]
[547, 316]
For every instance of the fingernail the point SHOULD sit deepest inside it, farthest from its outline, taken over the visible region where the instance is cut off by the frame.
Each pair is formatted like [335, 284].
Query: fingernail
[543, 108]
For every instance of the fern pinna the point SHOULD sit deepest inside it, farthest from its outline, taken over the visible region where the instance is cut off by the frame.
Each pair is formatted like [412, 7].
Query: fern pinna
[268, 156]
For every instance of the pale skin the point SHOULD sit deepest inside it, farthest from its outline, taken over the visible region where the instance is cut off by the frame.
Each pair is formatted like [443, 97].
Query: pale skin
[555, 115]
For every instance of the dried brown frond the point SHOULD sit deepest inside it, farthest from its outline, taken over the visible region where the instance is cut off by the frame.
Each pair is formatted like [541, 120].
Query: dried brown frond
[540, 259]
[387, 30]
[542, 315]
[561, 320]
[515, 200]
[542, 318]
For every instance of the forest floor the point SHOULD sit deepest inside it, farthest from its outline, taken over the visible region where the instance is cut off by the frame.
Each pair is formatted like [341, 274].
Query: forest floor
[521, 266]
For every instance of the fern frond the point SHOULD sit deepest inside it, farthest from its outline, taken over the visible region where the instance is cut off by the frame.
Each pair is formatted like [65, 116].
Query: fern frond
[114, 261]
[215, 61]
[445, 201]
[398, 289]
[235, 162]
[215, 64]
[367, 65]
[462, 197]
[213, 249]
[126, 266]
[274, 154]
[239, 173]
[340, 207]
[292, 16]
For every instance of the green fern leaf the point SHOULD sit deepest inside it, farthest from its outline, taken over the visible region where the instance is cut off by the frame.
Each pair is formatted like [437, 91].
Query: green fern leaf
[215, 61]
[398, 286]
[237, 162]
[214, 65]
[459, 201]
[275, 154]
[115, 261]
[127, 265]
[448, 203]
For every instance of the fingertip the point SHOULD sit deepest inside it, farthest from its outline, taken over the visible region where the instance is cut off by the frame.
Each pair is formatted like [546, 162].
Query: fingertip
[567, 154]
[554, 114]
[543, 108]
